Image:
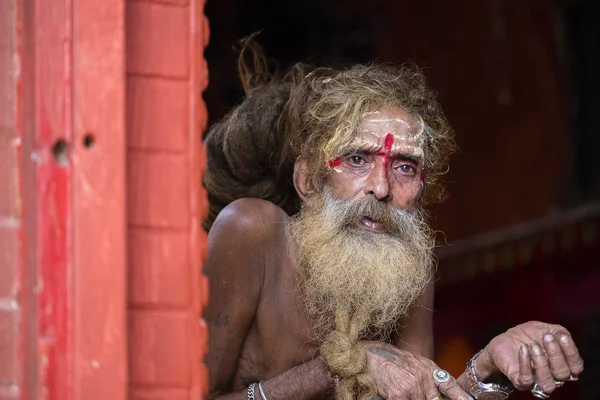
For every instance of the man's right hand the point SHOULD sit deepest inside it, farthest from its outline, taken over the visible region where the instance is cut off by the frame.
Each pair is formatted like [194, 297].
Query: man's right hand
[401, 375]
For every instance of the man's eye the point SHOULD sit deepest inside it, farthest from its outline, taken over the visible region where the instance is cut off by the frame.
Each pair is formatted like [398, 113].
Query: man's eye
[357, 160]
[407, 169]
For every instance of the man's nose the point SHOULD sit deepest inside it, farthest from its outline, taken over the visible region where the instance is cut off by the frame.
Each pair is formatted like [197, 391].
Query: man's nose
[378, 184]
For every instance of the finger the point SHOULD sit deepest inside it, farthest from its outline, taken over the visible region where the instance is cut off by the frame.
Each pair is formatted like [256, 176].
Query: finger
[431, 391]
[558, 363]
[543, 374]
[525, 378]
[571, 354]
[452, 390]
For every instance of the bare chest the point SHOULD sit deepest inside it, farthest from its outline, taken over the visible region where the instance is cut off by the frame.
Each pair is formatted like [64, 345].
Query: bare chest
[281, 336]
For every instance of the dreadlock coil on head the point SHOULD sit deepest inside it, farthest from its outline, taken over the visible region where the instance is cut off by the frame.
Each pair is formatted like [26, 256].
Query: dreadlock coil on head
[245, 148]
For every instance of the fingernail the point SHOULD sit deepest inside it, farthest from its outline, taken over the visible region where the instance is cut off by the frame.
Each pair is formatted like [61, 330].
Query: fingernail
[548, 337]
[523, 349]
[564, 339]
[535, 348]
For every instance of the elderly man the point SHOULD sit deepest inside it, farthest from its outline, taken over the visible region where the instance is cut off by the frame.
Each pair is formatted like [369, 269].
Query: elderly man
[320, 260]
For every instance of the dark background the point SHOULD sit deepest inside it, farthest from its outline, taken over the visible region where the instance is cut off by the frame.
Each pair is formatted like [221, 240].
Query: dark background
[519, 81]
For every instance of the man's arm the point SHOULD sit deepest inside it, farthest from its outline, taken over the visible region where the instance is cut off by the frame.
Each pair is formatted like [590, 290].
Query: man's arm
[306, 381]
[236, 271]
[235, 274]
[417, 335]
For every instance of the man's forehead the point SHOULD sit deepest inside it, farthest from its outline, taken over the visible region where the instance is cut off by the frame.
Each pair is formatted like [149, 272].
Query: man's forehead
[407, 135]
[376, 125]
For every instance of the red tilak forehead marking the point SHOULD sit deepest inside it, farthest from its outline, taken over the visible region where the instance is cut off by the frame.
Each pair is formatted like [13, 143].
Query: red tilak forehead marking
[387, 148]
[387, 145]
[389, 142]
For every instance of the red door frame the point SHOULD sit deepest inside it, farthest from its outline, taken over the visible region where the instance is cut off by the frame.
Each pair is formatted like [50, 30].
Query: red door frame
[69, 161]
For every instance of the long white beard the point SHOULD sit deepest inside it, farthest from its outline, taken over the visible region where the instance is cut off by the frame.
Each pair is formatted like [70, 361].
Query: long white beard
[373, 277]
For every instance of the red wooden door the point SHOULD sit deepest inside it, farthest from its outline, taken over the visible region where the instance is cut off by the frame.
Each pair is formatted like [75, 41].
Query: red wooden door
[100, 258]
[64, 127]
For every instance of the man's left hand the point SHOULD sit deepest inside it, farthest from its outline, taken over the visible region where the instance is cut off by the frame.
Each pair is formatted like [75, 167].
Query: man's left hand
[530, 353]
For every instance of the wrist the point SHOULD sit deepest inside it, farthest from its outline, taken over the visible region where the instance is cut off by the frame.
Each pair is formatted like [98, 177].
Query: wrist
[485, 366]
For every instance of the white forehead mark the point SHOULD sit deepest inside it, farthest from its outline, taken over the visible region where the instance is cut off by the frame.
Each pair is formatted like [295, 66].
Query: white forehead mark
[394, 126]
[410, 135]
[388, 120]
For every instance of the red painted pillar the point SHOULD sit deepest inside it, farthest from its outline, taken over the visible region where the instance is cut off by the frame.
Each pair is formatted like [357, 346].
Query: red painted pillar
[166, 74]
[63, 217]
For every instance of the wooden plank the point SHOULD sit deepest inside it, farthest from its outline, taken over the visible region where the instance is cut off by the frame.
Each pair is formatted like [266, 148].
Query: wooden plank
[11, 358]
[150, 283]
[99, 228]
[157, 114]
[31, 283]
[151, 48]
[52, 176]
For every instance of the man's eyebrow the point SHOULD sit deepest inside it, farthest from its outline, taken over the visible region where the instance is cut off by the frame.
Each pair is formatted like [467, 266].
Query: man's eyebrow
[405, 155]
[361, 149]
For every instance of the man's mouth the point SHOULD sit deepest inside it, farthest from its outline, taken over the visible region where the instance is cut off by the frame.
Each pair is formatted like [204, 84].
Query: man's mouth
[371, 225]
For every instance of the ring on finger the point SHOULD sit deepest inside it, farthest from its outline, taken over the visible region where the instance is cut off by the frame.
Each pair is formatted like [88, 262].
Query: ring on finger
[539, 393]
[440, 376]
[559, 383]
[573, 378]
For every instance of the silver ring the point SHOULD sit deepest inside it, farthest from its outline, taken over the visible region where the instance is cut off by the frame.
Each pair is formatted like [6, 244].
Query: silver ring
[573, 378]
[440, 376]
[539, 393]
[559, 383]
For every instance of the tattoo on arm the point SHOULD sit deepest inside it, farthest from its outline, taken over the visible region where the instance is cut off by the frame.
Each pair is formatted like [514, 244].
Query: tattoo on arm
[388, 355]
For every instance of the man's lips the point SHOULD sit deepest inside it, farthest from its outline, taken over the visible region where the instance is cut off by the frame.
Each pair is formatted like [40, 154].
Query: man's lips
[371, 225]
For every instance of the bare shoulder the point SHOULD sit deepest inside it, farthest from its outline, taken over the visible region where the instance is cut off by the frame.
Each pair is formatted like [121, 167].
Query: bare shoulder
[247, 233]
[250, 219]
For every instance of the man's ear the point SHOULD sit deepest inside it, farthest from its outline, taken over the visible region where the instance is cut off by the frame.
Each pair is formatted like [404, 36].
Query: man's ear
[302, 182]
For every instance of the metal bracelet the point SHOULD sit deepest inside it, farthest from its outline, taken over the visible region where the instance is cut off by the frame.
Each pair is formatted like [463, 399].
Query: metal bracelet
[262, 392]
[485, 390]
[251, 391]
